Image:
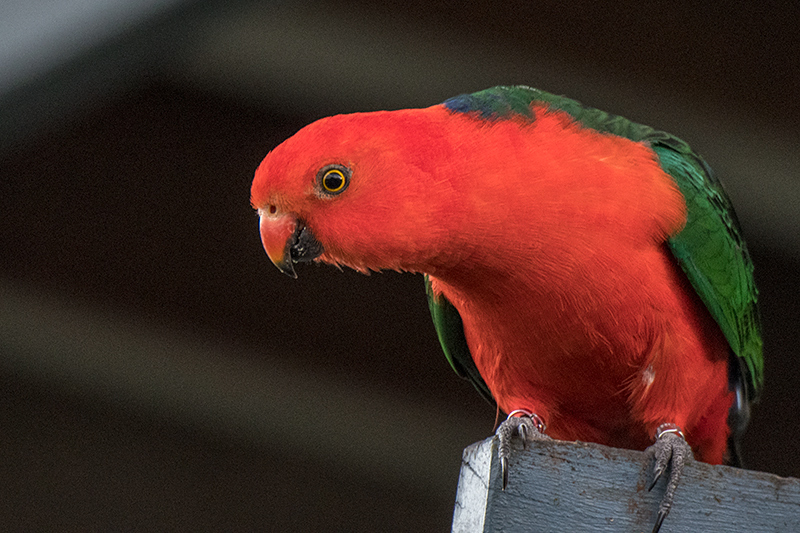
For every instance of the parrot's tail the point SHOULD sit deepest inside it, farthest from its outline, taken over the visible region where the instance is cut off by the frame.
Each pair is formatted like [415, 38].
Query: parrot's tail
[739, 414]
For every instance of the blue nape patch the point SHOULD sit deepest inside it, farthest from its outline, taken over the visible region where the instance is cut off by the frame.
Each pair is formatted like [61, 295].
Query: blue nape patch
[463, 103]
[492, 104]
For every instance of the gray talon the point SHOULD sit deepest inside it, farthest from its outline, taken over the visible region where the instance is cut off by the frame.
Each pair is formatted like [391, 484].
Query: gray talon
[528, 426]
[669, 451]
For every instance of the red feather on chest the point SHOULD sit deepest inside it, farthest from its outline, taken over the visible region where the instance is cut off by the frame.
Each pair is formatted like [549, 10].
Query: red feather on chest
[576, 311]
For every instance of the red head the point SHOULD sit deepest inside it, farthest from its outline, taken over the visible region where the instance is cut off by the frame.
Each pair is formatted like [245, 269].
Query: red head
[368, 190]
[422, 189]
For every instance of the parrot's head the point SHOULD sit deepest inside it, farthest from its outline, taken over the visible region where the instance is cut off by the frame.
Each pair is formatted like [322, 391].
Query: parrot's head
[369, 191]
[453, 194]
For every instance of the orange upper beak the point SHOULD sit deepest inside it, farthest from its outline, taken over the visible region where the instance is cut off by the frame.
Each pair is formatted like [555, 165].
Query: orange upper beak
[287, 240]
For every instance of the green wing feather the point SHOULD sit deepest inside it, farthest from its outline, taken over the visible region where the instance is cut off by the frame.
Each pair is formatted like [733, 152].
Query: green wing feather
[710, 249]
[450, 330]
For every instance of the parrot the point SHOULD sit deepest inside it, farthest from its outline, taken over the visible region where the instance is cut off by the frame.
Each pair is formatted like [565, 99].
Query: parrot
[586, 273]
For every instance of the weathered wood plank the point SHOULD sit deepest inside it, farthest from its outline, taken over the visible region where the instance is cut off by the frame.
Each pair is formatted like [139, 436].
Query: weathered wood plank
[574, 487]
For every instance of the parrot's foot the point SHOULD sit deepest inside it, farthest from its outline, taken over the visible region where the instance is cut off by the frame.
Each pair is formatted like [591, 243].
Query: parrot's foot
[527, 425]
[670, 450]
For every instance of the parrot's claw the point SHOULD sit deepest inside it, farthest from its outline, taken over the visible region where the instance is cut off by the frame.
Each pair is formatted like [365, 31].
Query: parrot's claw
[669, 451]
[527, 425]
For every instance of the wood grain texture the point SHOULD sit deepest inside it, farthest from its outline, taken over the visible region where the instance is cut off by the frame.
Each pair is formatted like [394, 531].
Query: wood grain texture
[573, 486]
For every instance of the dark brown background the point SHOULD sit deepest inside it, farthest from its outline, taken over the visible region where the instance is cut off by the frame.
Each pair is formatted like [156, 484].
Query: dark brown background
[124, 181]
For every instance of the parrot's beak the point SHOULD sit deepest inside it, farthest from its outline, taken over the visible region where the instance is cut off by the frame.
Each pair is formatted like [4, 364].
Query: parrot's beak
[287, 241]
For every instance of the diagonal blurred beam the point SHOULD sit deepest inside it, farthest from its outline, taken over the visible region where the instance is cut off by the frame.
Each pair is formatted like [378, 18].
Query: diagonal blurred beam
[211, 387]
[36, 36]
[61, 58]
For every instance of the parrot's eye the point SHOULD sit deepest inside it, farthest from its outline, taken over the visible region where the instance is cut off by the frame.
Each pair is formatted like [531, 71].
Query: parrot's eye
[333, 179]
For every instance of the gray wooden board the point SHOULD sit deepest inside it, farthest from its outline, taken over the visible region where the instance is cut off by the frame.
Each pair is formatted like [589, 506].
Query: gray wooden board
[574, 486]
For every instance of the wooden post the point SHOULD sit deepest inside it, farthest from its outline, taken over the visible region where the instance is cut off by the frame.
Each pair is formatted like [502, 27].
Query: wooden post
[556, 486]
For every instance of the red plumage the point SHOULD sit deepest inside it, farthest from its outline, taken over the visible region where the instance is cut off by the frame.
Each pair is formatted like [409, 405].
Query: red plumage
[549, 240]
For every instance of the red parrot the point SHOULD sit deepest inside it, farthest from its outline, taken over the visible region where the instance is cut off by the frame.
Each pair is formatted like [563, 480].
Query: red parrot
[585, 272]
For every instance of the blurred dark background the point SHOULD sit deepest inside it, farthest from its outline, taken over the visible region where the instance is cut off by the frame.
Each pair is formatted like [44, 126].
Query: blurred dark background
[158, 373]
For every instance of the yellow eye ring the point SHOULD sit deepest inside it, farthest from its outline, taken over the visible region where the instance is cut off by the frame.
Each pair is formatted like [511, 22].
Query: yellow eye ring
[333, 179]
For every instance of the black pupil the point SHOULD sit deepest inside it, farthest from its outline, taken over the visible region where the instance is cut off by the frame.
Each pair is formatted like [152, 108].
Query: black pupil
[334, 180]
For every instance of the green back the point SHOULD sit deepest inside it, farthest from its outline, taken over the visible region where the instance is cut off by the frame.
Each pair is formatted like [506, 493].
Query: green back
[710, 249]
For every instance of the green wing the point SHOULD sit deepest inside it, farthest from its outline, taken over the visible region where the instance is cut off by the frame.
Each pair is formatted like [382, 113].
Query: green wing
[450, 330]
[710, 249]
[714, 256]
